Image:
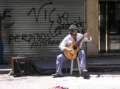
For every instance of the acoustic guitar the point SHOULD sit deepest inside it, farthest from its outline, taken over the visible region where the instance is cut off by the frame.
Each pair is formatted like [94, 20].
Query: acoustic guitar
[74, 49]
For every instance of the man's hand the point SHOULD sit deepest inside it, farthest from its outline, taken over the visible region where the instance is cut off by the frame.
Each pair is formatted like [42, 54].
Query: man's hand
[67, 49]
[87, 35]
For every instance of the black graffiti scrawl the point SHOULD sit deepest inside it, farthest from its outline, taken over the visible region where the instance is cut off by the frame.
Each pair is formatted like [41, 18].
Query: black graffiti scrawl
[5, 27]
[56, 26]
[36, 13]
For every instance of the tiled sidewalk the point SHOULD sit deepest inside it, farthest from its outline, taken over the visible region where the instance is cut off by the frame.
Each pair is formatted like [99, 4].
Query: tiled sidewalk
[103, 81]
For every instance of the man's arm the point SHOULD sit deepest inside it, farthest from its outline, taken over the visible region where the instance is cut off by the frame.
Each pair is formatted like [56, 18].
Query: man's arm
[87, 37]
[63, 43]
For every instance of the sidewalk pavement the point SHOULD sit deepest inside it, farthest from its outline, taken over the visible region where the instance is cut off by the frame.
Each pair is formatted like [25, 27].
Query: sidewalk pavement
[96, 81]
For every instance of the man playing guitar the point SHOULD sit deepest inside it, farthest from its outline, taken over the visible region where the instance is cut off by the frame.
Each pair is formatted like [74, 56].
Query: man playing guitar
[71, 47]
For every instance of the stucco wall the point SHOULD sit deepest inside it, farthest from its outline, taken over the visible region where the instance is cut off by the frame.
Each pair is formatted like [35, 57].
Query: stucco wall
[92, 26]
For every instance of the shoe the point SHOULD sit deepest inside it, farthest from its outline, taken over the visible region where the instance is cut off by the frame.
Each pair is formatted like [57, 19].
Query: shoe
[84, 70]
[57, 75]
[85, 74]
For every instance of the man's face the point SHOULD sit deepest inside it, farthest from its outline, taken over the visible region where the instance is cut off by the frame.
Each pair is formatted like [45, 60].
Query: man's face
[73, 34]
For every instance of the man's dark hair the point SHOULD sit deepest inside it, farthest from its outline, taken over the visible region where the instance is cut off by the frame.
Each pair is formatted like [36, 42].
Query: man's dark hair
[73, 28]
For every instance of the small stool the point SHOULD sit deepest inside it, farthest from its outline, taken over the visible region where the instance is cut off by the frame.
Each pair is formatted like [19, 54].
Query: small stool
[72, 66]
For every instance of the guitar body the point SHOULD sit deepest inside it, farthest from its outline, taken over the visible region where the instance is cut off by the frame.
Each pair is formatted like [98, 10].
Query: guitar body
[71, 54]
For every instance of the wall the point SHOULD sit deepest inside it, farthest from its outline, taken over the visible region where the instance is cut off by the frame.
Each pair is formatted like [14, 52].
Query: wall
[92, 13]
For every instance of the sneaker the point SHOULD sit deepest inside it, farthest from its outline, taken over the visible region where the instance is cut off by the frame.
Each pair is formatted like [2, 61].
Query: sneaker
[57, 75]
[85, 74]
[84, 70]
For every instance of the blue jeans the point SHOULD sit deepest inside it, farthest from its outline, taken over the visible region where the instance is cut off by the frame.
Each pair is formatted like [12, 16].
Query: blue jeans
[61, 58]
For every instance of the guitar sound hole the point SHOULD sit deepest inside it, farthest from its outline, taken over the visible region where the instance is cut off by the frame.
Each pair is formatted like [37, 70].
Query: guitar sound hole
[74, 47]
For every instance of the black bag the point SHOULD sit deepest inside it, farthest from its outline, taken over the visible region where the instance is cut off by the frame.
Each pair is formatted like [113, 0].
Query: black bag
[21, 67]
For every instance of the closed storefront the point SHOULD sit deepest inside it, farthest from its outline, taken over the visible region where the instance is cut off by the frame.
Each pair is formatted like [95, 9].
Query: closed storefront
[34, 28]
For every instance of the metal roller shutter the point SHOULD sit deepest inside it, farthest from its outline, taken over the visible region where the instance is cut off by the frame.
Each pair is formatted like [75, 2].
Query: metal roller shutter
[35, 27]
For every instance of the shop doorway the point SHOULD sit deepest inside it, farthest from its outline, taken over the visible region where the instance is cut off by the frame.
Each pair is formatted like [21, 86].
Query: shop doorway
[110, 27]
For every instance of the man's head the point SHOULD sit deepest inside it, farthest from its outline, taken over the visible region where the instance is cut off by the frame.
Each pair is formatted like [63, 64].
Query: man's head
[73, 29]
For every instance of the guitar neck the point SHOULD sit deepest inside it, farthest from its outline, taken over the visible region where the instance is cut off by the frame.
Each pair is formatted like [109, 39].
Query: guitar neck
[80, 40]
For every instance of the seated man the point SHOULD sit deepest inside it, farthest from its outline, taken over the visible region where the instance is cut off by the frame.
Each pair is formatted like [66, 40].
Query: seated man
[71, 38]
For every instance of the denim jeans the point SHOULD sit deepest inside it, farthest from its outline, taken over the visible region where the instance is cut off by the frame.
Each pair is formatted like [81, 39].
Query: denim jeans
[61, 59]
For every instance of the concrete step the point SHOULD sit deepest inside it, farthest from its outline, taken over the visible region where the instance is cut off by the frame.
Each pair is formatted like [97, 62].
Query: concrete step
[4, 69]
